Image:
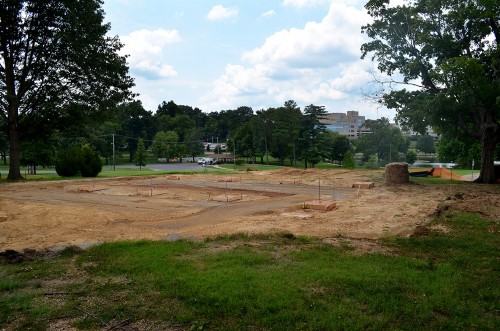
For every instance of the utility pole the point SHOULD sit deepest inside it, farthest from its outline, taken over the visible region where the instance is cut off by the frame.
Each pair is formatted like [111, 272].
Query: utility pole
[114, 152]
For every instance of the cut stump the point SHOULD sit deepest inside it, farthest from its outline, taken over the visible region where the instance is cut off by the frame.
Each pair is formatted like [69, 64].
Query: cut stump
[397, 173]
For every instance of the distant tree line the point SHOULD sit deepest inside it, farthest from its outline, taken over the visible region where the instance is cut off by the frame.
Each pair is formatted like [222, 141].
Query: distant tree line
[176, 131]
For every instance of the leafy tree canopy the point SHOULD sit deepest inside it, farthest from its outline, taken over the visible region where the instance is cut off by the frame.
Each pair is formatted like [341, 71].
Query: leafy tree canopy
[426, 144]
[55, 55]
[165, 145]
[385, 141]
[447, 53]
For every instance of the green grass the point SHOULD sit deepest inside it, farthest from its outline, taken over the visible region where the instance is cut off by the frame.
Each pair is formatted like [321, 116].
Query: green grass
[463, 172]
[436, 180]
[119, 172]
[265, 282]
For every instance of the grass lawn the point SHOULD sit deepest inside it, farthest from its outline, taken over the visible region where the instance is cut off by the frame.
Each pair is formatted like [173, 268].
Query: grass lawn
[444, 280]
[119, 172]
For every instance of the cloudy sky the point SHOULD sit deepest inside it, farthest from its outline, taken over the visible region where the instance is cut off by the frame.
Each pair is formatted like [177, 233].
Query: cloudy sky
[219, 54]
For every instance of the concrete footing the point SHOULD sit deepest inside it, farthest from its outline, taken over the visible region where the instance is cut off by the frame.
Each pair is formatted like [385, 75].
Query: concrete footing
[320, 205]
[229, 179]
[363, 185]
[291, 182]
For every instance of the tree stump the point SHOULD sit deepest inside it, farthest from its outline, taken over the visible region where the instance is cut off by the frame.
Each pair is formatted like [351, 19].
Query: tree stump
[397, 173]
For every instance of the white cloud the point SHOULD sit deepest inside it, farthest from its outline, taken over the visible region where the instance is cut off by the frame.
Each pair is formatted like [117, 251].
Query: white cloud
[220, 12]
[314, 3]
[147, 51]
[319, 63]
[304, 3]
[269, 13]
[318, 43]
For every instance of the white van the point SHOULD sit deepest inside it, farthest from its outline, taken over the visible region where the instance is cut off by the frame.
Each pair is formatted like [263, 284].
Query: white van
[205, 160]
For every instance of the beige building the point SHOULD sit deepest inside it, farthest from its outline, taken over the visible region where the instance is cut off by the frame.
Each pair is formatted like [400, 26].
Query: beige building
[348, 124]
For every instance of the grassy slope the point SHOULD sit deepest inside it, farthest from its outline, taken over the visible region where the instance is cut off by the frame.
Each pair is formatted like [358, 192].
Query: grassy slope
[443, 280]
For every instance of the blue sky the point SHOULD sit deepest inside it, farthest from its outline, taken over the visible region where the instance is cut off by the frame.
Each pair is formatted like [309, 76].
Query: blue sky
[219, 55]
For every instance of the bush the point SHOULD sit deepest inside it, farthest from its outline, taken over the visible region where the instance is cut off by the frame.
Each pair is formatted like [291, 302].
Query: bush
[68, 162]
[349, 161]
[411, 156]
[78, 160]
[372, 162]
[91, 164]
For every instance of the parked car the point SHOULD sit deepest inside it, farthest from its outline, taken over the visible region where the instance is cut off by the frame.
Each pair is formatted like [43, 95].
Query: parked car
[206, 160]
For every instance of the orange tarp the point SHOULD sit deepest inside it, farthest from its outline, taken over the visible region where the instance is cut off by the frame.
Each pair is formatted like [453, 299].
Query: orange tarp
[446, 173]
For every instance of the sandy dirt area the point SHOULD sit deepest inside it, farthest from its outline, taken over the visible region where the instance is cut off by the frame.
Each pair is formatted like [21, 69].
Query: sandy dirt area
[53, 215]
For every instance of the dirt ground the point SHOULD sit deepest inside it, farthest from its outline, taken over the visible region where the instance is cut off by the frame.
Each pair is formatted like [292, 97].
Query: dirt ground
[53, 215]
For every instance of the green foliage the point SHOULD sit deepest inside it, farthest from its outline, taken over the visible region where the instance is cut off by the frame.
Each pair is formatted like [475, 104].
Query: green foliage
[165, 145]
[459, 150]
[426, 144]
[78, 160]
[69, 161]
[285, 124]
[140, 155]
[447, 51]
[349, 161]
[411, 156]
[63, 68]
[136, 122]
[263, 282]
[372, 162]
[337, 146]
[384, 140]
[312, 139]
[91, 164]
[38, 153]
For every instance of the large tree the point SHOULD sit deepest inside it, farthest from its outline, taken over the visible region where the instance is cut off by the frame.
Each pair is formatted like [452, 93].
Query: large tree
[56, 56]
[384, 140]
[311, 140]
[166, 145]
[136, 122]
[447, 53]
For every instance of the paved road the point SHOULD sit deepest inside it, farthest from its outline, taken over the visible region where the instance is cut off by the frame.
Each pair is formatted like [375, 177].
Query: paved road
[187, 166]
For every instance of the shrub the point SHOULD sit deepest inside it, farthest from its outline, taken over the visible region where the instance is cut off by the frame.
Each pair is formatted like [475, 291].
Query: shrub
[78, 160]
[91, 164]
[349, 161]
[68, 162]
[372, 162]
[411, 156]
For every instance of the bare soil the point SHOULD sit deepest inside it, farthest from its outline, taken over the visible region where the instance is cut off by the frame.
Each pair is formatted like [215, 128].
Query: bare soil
[39, 215]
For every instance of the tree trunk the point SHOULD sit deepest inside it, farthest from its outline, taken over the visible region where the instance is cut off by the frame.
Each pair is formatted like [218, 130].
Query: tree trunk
[15, 149]
[488, 143]
[490, 136]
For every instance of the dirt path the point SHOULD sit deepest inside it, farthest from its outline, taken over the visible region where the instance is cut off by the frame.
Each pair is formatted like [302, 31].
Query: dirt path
[54, 214]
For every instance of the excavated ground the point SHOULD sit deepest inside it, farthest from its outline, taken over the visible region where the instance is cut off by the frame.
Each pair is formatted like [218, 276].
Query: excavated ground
[40, 215]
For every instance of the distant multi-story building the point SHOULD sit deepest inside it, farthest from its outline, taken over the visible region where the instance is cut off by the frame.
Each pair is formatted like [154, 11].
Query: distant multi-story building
[349, 124]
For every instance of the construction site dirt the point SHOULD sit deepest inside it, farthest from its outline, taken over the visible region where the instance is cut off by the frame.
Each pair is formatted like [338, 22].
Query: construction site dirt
[55, 214]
